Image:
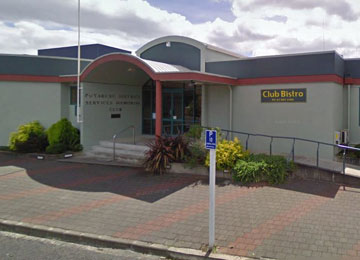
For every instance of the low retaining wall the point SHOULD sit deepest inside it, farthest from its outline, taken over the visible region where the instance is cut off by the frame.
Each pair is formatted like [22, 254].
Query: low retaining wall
[302, 171]
[313, 173]
[199, 170]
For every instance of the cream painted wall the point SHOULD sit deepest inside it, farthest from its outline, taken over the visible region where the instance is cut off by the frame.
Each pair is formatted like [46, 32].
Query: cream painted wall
[97, 122]
[22, 102]
[317, 119]
[354, 115]
[217, 106]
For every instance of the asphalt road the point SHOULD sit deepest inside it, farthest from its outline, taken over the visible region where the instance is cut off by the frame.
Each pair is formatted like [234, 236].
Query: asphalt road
[20, 247]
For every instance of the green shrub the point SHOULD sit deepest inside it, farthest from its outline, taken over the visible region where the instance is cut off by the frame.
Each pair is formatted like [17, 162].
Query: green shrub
[62, 132]
[197, 154]
[262, 167]
[249, 172]
[227, 154]
[356, 153]
[195, 132]
[29, 138]
[76, 148]
[56, 148]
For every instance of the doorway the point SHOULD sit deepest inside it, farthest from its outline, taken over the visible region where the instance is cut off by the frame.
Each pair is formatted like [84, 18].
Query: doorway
[173, 111]
[181, 107]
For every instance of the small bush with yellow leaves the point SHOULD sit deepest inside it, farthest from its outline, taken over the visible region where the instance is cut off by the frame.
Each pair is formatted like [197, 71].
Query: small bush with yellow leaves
[227, 154]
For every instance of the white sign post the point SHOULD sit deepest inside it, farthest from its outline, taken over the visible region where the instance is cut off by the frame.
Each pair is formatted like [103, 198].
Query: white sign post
[210, 143]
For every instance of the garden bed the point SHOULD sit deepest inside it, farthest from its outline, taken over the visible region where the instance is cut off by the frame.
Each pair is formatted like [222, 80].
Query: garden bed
[45, 155]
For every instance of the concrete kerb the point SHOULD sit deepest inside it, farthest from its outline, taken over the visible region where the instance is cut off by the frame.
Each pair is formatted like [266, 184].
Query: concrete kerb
[111, 242]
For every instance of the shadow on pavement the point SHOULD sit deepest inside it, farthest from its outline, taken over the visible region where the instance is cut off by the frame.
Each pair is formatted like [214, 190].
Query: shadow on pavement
[134, 182]
[318, 188]
[130, 182]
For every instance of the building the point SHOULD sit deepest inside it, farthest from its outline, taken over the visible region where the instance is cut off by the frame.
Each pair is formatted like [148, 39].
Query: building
[174, 82]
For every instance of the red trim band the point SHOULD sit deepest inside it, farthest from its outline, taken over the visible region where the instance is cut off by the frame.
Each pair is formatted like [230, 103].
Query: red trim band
[352, 81]
[200, 77]
[292, 79]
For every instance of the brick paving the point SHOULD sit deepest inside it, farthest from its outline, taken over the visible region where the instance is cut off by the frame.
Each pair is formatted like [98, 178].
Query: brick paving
[300, 219]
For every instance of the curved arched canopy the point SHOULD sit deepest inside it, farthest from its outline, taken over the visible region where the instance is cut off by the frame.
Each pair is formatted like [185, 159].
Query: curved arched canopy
[129, 69]
[117, 68]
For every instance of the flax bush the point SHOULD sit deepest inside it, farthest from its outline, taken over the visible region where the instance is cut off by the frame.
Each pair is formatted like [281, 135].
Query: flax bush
[163, 151]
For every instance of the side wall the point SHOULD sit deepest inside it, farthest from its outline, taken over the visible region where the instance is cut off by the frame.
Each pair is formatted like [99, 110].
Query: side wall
[217, 106]
[100, 102]
[22, 102]
[354, 115]
[317, 119]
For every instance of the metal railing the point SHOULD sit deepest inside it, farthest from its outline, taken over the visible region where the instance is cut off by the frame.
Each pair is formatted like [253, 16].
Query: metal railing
[121, 131]
[344, 148]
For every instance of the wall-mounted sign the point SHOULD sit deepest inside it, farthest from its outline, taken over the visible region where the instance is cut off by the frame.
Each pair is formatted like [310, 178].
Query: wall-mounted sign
[283, 95]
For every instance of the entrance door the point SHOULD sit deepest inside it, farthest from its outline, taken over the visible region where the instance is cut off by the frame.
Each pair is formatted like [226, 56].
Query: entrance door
[173, 111]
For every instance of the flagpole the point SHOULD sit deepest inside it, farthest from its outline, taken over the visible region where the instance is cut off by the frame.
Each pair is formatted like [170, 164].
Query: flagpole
[78, 116]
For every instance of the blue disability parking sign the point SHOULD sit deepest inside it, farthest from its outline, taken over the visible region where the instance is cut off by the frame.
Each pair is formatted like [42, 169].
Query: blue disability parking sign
[210, 139]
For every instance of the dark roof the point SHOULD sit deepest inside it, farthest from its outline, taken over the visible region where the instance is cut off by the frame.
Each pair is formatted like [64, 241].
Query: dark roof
[90, 51]
[35, 65]
[323, 63]
[352, 68]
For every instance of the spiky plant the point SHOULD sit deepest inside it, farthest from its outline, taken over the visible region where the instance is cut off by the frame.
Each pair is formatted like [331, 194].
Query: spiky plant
[180, 147]
[159, 156]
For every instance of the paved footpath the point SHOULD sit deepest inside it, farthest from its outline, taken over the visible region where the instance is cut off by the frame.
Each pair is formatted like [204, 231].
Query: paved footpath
[300, 219]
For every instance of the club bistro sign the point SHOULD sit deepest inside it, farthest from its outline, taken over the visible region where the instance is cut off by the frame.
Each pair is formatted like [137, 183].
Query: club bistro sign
[283, 95]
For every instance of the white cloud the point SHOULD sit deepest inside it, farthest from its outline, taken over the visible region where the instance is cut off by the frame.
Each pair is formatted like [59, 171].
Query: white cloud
[261, 26]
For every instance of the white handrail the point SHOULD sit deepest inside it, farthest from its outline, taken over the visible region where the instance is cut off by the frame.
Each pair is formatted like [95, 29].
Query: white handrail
[116, 135]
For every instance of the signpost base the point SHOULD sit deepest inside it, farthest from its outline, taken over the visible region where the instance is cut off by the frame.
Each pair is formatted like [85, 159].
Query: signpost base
[212, 180]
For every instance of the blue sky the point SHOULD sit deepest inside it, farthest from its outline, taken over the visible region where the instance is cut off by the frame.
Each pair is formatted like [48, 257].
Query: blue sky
[197, 11]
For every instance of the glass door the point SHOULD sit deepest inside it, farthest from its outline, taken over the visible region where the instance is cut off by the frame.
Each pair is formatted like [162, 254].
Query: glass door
[173, 111]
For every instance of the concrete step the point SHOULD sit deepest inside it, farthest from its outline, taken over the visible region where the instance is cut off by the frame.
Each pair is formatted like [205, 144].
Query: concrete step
[97, 149]
[119, 159]
[127, 147]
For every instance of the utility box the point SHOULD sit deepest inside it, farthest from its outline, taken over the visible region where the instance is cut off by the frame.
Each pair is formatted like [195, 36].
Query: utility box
[344, 139]
[337, 137]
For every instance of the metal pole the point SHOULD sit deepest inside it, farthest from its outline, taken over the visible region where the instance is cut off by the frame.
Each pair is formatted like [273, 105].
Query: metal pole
[212, 198]
[317, 155]
[247, 142]
[344, 158]
[78, 116]
[293, 150]
[133, 130]
[349, 112]
[231, 111]
[271, 146]
[114, 139]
